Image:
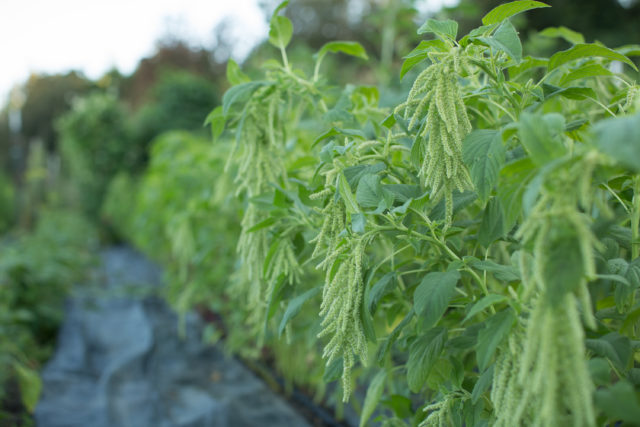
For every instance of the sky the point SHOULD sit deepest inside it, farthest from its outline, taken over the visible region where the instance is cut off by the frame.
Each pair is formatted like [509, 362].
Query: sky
[93, 36]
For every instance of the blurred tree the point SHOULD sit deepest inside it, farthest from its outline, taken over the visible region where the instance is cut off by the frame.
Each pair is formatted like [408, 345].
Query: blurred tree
[96, 143]
[178, 100]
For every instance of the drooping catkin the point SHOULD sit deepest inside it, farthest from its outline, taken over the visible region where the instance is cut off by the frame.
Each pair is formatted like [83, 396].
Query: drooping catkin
[340, 309]
[437, 114]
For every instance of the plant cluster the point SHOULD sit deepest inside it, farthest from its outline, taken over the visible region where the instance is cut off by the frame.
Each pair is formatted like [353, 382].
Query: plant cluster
[472, 254]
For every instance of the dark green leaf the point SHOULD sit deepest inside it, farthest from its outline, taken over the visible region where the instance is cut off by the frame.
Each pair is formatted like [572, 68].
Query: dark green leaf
[484, 302]
[600, 371]
[507, 10]
[358, 222]
[423, 354]
[347, 195]
[614, 347]
[492, 226]
[378, 290]
[432, 296]
[460, 201]
[619, 402]
[420, 53]
[489, 338]
[295, 305]
[217, 121]
[369, 191]
[393, 336]
[514, 180]
[583, 72]
[30, 386]
[587, 50]
[356, 133]
[483, 152]
[333, 371]
[482, 385]
[239, 93]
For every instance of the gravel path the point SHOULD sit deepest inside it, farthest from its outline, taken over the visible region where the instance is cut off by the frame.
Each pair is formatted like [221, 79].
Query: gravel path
[120, 361]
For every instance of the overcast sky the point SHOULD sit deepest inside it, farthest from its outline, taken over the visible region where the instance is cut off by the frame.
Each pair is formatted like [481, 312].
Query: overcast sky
[52, 36]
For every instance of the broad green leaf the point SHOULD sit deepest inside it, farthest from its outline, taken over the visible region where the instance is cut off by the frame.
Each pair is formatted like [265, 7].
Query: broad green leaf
[366, 319]
[540, 136]
[526, 64]
[460, 201]
[613, 346]
[483, 384]
[235, 76]
[280, 31]
[403, 192]
[484, 154]
[587, 50]
[358, 222]
[349, 48]
[217, 121]
[513, 182]
[400, 405]
[619, 402]
[423, 354]
[378, 290]
[431, 298]
[356, 172]
[295, 305]
[575, 92]
[583, 72]
[369, 191]
[492, 225]
[347, 195]
[262, 224]
[374, 393]
[619, 138]
[506, 40]
[420, 53]
[489, 338]
[600, 371]
[30, 386]
[484, 302]
[239, 93]
[447, 29]
[569, 35]
[504, 11]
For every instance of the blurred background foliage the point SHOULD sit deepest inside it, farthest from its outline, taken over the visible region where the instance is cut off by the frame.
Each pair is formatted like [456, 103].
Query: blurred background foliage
[127, 155]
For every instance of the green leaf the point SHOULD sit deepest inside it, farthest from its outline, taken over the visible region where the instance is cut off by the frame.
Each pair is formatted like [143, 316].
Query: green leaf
[239, 93]
[349, 48]
[583, 72]
[527, 63]
[393, 336]
[431, 298]
[262, 224]
[569, 35]
[484, 302]
[403, 192]
[506, 40]
[423, 354]
[30, 386]
[346, 194]
[356, 172]
[513, 182]
[492, 225]
[619, 138]
[235, 76]
[333, 371]
[619, 402]
[369, 191]
[356, 133]
[217, 121]
[420, 53]
[482, 385]
[358, 222]
[447, 29]
[374, 393]
[378, 290]
[600, 371]
[295, 305]
[575, 92]
[587, 50]
[540, 136]
[489, 338]
[508, 10]
[280, 31]
[484, 154]
[506, 273]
